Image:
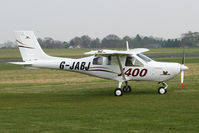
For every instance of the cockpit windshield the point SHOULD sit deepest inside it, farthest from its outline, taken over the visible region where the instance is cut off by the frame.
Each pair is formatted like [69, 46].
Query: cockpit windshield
[144, 57]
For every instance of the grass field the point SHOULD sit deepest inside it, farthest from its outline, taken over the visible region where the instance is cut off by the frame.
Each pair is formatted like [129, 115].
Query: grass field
[53, 101]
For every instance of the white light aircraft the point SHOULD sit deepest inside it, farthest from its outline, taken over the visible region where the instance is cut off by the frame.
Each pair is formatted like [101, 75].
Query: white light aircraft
[121, 66]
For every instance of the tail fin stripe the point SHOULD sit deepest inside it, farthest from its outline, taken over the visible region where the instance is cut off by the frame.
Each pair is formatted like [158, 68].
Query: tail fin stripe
[25, 47]
[22, 46]
[19, 42]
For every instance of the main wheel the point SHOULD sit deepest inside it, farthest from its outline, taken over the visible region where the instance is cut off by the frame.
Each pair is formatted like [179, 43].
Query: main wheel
[118, 92]
[161, 90]
[127, 89]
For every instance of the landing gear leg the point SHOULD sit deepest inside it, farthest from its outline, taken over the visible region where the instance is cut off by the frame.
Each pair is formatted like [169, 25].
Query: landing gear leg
[127, 88]
[163, 89]
[118, 91]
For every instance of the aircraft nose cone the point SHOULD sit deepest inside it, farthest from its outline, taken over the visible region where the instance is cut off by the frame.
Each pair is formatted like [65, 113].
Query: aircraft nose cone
[183, 67]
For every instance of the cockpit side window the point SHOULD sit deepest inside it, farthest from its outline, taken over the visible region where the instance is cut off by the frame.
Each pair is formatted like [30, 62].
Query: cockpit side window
[108, 61]
[137, 63]
[129, 61]
[132, 61]
[111, 60]
[97, 61]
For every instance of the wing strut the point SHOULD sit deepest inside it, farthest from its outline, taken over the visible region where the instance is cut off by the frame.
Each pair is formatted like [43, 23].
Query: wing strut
[121, 68]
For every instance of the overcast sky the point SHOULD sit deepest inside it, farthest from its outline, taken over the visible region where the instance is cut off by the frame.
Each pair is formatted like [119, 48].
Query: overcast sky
[65, 19]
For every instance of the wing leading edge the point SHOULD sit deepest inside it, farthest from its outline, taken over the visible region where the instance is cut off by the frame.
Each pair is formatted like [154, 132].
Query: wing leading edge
[117, 52]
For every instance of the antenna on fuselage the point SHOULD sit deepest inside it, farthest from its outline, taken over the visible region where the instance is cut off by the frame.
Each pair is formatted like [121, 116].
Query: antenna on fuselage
[127, 45]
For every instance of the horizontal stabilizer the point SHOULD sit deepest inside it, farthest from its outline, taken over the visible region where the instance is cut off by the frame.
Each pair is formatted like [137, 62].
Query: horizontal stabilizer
[21, 63]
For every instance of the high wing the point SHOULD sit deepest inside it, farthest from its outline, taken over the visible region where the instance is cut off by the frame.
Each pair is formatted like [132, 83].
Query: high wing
[117, 52]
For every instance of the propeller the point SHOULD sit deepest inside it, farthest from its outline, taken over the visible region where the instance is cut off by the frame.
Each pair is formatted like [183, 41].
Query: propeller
[182, 78]
[183, 68]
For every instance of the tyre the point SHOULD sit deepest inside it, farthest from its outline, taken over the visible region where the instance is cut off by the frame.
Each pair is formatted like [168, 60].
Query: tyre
[162, 91]
[118, 92]
[127, 89]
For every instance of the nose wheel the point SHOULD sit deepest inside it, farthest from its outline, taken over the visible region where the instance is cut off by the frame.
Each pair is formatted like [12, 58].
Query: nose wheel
[163, 89]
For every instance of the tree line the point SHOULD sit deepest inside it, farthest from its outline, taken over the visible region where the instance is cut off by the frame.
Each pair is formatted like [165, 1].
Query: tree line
[189, 39]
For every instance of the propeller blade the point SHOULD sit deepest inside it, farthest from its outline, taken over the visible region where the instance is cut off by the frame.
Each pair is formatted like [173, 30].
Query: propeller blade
[182, 78]
[183, 57]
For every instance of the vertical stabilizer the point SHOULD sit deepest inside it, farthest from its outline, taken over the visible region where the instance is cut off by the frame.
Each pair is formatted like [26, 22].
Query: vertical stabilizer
[29, 47]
